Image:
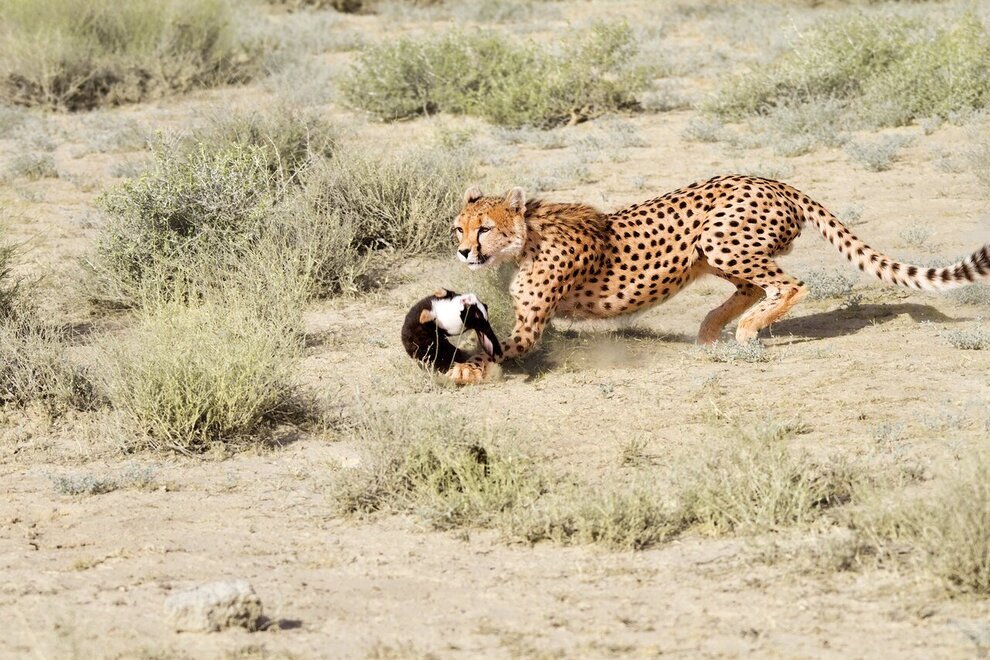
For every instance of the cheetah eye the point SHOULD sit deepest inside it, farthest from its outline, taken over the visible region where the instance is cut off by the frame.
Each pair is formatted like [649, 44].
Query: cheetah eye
[458, 230]
[482, 230]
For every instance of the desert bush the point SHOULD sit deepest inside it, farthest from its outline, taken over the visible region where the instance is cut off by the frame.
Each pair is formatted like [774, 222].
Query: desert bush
[289, 139]
[880, 69]
[438, 465]
[823, 284]
[633, 517]
[80, 54]
[189, 376]
[404, 201]
[976, 339]
[34, 365]
[32, 166]
[181, 212]
[281, 183]
[508, 83]
[877, 155]
[88, 483]
[974, 294]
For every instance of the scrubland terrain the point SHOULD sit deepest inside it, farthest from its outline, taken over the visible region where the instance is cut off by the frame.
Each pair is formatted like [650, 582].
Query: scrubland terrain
[216, 216]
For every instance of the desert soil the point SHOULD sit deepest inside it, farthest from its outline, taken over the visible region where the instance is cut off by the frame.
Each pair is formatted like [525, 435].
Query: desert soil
[86, 576]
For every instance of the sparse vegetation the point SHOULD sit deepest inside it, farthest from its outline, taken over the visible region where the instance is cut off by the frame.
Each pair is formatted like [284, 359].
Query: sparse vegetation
[976, 339]
[874, 69]
[731, 352]
[754, 483]
[187, 377]
[32, 166]
[823, 285]
[438, 465]
[81, 54]
[87, 483]
[512, 84]
[877, 155]
[34, 365]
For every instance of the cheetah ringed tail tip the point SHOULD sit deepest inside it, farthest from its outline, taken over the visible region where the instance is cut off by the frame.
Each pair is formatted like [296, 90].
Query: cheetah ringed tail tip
[974, 268]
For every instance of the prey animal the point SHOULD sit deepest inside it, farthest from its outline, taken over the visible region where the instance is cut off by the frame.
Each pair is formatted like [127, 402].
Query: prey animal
[435, 318]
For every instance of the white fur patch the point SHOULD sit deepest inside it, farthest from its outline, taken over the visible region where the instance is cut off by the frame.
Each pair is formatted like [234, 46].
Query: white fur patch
[448, 312]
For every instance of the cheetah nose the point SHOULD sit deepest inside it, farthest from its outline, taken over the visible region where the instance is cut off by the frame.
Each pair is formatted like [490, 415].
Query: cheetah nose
[464, 253]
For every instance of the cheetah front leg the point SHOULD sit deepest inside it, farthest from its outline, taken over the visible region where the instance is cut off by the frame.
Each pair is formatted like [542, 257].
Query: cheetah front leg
[533, 311]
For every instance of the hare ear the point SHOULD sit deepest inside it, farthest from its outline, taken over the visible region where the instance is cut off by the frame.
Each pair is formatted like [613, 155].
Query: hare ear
[426, 316]
[472, 194]
[515, 199]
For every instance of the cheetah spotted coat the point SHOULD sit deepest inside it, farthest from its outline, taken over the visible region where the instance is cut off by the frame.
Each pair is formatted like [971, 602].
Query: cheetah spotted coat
[575, 261]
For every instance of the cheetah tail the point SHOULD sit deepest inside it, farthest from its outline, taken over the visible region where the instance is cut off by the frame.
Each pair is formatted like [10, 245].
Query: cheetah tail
[973, 268]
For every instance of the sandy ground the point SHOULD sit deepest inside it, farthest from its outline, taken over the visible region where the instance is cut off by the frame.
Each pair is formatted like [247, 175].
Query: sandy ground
[877, 381]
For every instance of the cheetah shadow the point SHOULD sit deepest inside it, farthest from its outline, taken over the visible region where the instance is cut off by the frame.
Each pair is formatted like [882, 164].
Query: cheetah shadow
[850, 320]
[624, 347]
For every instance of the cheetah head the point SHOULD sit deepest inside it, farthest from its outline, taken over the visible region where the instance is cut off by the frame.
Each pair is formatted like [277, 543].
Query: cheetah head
[490, 230]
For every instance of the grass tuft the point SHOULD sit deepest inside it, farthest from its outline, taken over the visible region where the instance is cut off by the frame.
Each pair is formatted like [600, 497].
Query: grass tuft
[977, 339]
[187, 377]
[438, 465]
[508, 83]
[82, 54]
[877, 155]
[731, 352]
[823, 285]
[870, 69]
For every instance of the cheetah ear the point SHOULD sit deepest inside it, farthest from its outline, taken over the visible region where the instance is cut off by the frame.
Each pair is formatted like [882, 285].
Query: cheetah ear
[472, 194]
[426, 316]
[440, 293]
[515, 199]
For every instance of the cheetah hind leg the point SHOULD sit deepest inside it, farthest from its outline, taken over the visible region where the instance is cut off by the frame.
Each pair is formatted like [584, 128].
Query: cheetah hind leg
[782, 293]
[745, 296]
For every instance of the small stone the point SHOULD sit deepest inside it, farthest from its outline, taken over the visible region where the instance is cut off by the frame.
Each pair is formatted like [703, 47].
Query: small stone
[214, 606]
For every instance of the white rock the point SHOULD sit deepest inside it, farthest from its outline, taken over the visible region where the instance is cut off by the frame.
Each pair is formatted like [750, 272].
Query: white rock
[214, 606]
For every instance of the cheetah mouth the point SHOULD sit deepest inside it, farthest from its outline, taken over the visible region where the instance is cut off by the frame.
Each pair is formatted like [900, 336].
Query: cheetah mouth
[478, 263]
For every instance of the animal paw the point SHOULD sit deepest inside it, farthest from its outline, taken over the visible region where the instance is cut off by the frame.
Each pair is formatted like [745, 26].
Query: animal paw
[466, 373]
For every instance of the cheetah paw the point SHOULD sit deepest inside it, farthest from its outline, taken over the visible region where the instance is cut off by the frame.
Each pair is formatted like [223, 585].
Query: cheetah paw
[466, 373]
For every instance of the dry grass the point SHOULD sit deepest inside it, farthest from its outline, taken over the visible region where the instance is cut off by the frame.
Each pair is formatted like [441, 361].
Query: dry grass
[869, 69]
[455, 474]
[512, 84]
[81, 54]
[187, 377]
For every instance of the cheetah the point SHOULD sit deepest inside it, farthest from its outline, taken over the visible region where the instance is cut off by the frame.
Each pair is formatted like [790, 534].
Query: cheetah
[578, 262]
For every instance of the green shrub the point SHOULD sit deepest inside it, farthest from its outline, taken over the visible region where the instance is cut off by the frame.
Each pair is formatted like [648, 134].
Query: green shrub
[188, 376]
[178, 218]
[883, 69]
[404, 201]
[80, 54]
[279, 191]
[34, 365]
[508, 82]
